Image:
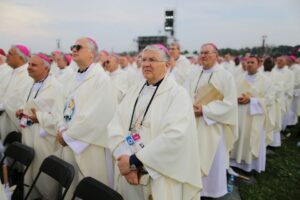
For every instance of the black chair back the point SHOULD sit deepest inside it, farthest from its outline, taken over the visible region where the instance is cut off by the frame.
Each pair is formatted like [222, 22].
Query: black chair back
[12, 137]
[92, 189]
[59, 170]
[19, 153]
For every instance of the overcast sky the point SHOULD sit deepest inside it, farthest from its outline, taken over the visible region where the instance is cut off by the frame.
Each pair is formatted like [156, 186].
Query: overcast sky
[115, 24]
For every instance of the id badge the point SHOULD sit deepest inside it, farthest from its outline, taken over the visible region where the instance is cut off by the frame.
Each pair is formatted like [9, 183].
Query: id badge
[138, 144]
[69, 109]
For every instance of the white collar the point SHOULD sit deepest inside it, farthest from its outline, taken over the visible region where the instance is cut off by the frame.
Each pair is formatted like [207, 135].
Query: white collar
[210, 70]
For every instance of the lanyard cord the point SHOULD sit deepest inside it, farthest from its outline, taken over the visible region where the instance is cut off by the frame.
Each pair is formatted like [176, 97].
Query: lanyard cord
[42, 83]
[148, 106]
[199, 80]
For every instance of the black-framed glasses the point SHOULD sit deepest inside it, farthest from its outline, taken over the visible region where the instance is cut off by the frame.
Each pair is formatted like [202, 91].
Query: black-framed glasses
[76, 46]
[205, 53]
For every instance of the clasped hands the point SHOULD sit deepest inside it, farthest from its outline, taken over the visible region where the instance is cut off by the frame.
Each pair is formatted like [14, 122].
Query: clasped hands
[124, 167]
[32, 117]
[198, 111]
[244, 99]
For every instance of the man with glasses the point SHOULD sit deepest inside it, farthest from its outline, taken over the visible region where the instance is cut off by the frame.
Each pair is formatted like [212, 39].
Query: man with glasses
[216, 118]
[153, 136]
[13, 88]
[117, 76]
[89, 106]
[181, 67]
[255, 98]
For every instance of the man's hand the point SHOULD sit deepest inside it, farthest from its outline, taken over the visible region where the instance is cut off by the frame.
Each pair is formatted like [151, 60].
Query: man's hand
[33, 117]
[123, 164]
[19, 113]
[198, 111]
[132, 178]
[244, 99]
[60, 139]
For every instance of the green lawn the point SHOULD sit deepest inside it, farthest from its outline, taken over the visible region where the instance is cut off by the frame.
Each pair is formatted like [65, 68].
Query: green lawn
[281, 180]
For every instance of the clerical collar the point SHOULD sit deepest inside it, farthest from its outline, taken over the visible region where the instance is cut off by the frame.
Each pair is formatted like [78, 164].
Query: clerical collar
[117, 71]
[82, 71]
[20, 68]
[210, 70]
[251, 77]
[156, 84]
[41, 81]
[279, 69]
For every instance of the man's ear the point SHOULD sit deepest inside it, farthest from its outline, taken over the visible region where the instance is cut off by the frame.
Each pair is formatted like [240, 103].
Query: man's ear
[168, 64]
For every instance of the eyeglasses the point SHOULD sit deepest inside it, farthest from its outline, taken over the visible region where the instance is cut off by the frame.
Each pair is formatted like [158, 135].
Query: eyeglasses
[205, 53]
[151, 60]
[76, 46]
[250, 62]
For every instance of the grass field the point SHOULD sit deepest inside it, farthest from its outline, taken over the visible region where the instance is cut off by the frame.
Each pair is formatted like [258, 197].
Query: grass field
[281, 180]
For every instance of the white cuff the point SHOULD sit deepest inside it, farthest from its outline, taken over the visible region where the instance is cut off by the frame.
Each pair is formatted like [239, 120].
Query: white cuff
[255, 107]
[62, 128]
[43, 133]
[77, 146]
[152, 173]
[122, 149]
[208, 121]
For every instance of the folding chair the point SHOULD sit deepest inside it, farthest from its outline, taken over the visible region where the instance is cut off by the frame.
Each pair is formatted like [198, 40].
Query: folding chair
[92, 189]
[19, 153]
[59, 170]
[12, 137]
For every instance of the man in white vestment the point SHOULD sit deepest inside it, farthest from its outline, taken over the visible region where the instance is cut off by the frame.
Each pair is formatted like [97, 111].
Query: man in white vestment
[284, 86]
[131, 72]
[4, 67]
[117, 76]
[38, 120]
[153, 136]
[64, 74]
[13, 88]
[292, 118]
[54, 56]
[182, 65]
[102, 57]
[228, 63]
[216, 119]
[89, 107]
[255, 97]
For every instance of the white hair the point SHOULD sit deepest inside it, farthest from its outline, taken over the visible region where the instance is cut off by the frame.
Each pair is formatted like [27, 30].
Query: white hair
[162, 53]
[24, 57]
[48, 65]
[93, 47]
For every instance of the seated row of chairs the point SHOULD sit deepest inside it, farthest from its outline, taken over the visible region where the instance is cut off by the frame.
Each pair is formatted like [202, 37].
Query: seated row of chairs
[63, 172]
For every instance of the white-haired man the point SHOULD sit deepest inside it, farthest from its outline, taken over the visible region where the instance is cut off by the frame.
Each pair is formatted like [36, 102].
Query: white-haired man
[118, 76]
[153, 136]
[216, 118]
[13, 89]
[38, 120]
[182, 65]
[89, 107]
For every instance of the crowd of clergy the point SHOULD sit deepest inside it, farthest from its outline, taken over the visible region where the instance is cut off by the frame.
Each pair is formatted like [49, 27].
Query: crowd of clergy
[158, 125]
